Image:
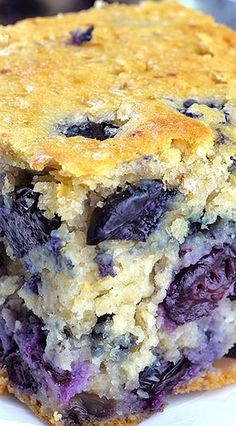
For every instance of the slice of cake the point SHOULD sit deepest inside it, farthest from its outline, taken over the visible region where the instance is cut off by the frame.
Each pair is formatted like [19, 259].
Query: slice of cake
[117, 210]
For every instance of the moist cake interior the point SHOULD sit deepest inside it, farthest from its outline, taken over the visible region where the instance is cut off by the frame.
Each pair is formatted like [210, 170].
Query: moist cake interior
[113, 298]
[117, 267]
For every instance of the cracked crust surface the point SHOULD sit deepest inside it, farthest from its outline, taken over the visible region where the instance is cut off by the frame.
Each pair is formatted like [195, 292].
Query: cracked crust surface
[122, 75]
[223, 373]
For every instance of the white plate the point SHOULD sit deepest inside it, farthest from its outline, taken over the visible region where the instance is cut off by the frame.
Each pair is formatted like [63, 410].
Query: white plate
[216, 408]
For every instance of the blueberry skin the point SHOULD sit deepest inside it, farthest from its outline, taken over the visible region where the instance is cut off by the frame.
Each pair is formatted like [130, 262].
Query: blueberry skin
[105, 264]
[79, 37]
[88, 129]
[197, 289]
[32, 286]
[232, 352]
[19, 373]
[131, 213]
[162, 376]
[23, 223]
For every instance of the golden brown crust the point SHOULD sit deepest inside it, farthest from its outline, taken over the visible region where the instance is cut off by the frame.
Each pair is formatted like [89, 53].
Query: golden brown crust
[223, 373]
[122, 73]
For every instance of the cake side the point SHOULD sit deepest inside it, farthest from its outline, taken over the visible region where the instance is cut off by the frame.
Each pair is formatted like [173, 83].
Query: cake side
[224, 373]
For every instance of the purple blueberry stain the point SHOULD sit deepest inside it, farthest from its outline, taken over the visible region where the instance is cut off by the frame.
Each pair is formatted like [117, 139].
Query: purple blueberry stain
[54, 246]
[23, 355]
[33, 284]
[64, 383]
[105, 264]
[130, 213]
[197, 289]
[79, 37]
[69, 264]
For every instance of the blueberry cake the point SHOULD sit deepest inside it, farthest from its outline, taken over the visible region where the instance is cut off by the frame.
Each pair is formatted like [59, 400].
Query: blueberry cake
[117, 210]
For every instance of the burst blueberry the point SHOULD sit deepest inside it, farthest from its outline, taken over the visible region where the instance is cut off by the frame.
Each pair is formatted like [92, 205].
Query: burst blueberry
[161, 377]
[105, 264]
[19, 373]
[79, 37]
[196, 290]
[23, 224]
[130, 213]
[88, 129]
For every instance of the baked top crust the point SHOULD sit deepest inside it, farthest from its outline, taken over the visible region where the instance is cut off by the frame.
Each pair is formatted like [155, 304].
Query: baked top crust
[142, 62]
[223, 373]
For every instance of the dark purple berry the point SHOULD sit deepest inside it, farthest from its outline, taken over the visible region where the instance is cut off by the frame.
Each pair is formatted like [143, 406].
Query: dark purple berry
[105, 265]
[87, 406]
[23, 223]
[189, 102]
[232, 352]
[196, 290]
[162, 376]
[188, 113]
[79, 37]
[19, 373]
[130, 213]
[59, 376]
[89, 129]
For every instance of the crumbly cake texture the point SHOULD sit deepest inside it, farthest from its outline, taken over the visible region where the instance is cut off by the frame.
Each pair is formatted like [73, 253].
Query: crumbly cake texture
[117, 209]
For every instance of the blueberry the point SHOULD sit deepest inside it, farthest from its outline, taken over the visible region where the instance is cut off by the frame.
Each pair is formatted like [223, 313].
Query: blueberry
[105, 264]
[87, 406]
[221, 138]
[162, 376]
[189, 102]
[197, 289]
[76, 414]
[79, 37]
[89, 129]
[98, 407]
[232, 167]
[8, 344]
[131, 213]
[210, 104]
[60, 377]
[214, 104]
[32, 286]
[19, 373]
[190, 114]
[23, 223]
[232, 352]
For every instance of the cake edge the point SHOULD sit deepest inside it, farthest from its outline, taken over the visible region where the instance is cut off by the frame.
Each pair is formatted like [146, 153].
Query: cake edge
[223, 373]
